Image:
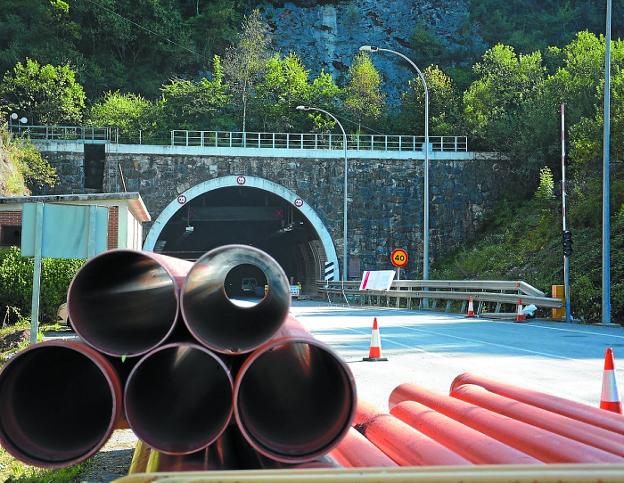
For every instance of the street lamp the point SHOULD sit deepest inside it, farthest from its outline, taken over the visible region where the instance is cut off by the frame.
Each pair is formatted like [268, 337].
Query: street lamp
[345, 267]
[13, 117]
[372, 49]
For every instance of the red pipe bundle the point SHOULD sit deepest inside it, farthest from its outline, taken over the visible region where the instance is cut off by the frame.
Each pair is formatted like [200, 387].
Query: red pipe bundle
[580, 412]
[539, 443]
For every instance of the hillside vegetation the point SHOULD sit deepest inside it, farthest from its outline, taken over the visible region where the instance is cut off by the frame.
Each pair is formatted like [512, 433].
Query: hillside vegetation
[115, 63]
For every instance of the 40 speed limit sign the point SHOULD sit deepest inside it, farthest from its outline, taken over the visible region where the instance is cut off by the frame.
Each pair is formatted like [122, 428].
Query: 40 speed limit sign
[399, 257]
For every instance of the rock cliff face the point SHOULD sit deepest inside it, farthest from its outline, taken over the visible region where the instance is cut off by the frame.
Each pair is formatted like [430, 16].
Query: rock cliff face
[328, 34]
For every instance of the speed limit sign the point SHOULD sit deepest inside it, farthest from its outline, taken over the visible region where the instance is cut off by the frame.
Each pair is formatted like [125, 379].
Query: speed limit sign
[399, 257]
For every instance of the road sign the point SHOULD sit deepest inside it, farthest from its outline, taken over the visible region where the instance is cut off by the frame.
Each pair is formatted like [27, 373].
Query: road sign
[399, 257]
[181, 199]
[298, 202]
[241, 180]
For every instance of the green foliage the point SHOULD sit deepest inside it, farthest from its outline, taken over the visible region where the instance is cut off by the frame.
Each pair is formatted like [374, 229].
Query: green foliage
[363, 96]
[532, 25]
[546, 189]
[427, 46]
[195, 105]
[246, 61]
[30, 169]
[13, 471]
[283, 87]
[523, 241]
[46, 94]
[445, 116]
[16, 274]
[129, 113]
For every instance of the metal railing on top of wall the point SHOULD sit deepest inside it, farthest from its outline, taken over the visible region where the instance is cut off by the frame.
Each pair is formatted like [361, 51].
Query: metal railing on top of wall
[65, 133]
[230, 139]
[355, 142]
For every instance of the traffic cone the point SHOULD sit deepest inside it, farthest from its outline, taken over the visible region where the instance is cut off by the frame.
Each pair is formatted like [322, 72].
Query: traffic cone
[471, 312]
[520, 317]
[374, 353]
[610, 399]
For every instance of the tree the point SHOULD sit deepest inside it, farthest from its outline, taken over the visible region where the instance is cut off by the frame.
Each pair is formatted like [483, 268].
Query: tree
[363, 96]
[245, 62]
[129, 113]
[494, 103]
[45, 94]
[196, 105]
[283, 87]
[444, 104]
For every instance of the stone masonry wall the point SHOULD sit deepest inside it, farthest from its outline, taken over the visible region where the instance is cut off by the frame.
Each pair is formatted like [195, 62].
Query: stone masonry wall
[385, 209]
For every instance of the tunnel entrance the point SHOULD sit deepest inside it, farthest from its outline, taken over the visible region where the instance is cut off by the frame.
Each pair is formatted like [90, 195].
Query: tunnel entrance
[248, 216]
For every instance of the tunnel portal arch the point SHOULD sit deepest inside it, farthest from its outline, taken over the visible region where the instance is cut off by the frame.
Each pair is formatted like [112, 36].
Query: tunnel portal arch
[289, 196]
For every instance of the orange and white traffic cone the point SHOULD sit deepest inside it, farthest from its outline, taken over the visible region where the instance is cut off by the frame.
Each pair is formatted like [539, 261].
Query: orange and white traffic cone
[374, 353]
[520, 317]
[471, 312]
[610, 399]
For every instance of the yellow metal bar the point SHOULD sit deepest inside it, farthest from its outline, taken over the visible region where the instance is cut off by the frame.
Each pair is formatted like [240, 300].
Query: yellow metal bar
[139, 458]
[573, 473]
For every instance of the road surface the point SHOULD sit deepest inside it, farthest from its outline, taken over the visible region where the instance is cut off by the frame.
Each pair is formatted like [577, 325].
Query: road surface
[430, 349]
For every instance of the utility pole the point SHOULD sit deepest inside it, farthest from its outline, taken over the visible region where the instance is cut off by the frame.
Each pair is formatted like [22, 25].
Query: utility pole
[566, 252]
[606, 145]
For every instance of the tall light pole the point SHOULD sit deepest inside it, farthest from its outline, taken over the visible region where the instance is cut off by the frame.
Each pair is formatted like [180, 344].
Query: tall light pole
[345, 266]
[606, 146]
[370, 48]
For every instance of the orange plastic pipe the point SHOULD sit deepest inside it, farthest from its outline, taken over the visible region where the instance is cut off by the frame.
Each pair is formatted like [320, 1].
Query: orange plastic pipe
[580, 412]
[577, 430]
[539, 443]
[401, 442]
[355, 451]
[467, 442]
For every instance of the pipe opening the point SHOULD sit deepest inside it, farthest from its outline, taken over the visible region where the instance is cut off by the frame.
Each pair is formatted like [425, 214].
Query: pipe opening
[179, 398]
[213, 318]
[56, 406]
[244, 285]
[123, 303]
[295, 401]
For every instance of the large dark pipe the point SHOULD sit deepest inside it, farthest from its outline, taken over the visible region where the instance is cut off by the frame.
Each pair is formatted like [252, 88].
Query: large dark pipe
[294, 398]
[125, 302]
[59, 403]
[219, 323]
[178, 398]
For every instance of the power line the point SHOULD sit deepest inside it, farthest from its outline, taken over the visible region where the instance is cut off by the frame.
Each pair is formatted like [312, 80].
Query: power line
[143, 28]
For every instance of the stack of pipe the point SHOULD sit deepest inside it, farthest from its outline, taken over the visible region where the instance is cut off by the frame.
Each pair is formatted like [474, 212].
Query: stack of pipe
[482, 421]
[204, 381]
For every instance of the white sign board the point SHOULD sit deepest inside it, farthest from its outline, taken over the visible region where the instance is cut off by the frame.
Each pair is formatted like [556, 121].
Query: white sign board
[380, 280]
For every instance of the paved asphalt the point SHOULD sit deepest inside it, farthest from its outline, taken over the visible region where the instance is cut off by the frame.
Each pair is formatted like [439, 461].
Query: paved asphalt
[430, 349]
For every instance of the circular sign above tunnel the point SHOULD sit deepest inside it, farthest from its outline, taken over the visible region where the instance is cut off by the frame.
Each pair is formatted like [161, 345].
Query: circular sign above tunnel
[181, 199]
[298, 202]
[241, 180]
[399, 257]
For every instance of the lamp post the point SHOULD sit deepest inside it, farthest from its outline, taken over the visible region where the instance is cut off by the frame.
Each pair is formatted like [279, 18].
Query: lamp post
[372, 49]
[345, 267]
[13, 117]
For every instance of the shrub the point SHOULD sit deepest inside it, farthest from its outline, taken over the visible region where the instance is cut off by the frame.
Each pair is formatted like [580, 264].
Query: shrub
[16, 274]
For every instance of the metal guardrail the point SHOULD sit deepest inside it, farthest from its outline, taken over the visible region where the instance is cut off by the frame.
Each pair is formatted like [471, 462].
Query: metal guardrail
[356, 142]
[408, 292]
[65, 133]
